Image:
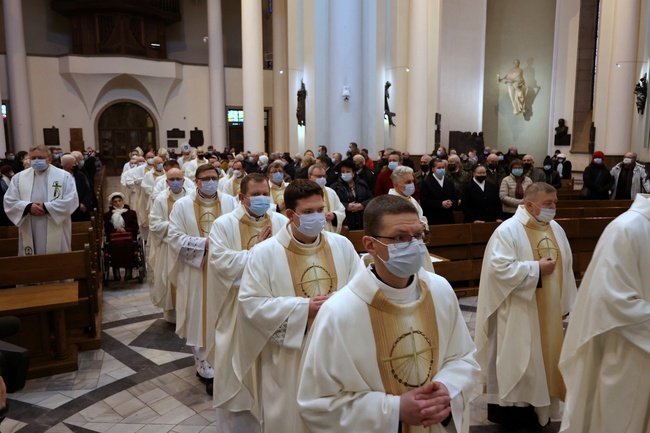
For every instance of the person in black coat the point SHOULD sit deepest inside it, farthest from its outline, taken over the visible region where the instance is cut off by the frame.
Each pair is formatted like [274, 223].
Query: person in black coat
[562, 164]
[354, 193]
[597, 180]
[552, 176]
[481, 201]
[438, 196]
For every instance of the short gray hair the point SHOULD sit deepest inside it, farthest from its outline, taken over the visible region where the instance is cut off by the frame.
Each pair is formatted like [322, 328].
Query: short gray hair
[399, 172]
[313, 167]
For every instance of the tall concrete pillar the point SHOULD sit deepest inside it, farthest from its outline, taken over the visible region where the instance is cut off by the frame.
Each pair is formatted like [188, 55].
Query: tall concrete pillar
[252, 75]
[218, 125]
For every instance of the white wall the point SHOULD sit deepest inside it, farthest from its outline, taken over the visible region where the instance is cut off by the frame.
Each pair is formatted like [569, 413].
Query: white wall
[462, 52]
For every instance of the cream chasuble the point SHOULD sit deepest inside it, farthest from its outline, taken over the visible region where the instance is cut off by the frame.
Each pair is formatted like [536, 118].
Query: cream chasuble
[50, 233]
[606, 353]
[518, 324]
[189, 226]
[333, 204]
[146, 188]
[364, 351]
[232, 237]
[163, 292]
[277, 194]
[231, 186]
[272, 320]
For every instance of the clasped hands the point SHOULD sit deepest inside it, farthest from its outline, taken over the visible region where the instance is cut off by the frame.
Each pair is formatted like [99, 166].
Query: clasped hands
[37, 209]
[426, 405]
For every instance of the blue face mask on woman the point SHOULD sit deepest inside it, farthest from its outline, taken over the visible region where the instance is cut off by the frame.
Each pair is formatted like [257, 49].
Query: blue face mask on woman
[517, 171]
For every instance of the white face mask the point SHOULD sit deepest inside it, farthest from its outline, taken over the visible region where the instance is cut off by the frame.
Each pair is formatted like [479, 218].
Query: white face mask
[627, 161]
[401, 261]
[546, 215]
[311, 224]
[409, 189]
[321, 181]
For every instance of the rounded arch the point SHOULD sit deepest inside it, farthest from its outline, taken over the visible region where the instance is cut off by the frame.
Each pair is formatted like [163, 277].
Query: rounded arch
[121, 126]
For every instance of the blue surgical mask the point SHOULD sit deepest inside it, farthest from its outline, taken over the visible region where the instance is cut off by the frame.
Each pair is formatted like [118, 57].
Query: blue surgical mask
[58, 155]
[598, 160]
[439, 153]
[392, 165]
[409, 189]
[500, 157]
[278, 177]
[404, 260]
[259, 204]
[38, 164]
[209, 187]
[440, 172]
[546, 215]
[321, 181]
[346, 177]
[176, 186]
[517, 171]
[250, 159]
[237, 173]
[159, 167]
[547, 167]
[311, 224]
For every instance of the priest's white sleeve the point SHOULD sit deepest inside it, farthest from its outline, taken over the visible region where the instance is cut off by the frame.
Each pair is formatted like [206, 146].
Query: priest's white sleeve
[189, 249]
[14, 205]
[61, 208]
[512, 274]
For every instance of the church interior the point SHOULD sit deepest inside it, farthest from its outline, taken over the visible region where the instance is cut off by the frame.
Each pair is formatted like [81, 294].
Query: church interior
[410, 75]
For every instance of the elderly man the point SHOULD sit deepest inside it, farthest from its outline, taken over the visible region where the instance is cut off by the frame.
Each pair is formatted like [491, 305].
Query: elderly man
[234, 236]
[277, 185]
[458, 176]
[161, 182]
[232, 186]
[40, 201]
[606, 351]
[530, 171]
[526, 287]
[163, 292]
[189, 167]
[334, 209]
[363, 172]
[84, 192]
[390, 352]
[384, 182]
[286, 281]
[630, 178]
[494, 173]
[189, 227]
[404, 186]
[133, 181]
[126, 181]
[147, 186]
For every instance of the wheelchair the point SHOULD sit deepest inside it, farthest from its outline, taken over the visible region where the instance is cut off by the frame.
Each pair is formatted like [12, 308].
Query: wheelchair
[121, 250]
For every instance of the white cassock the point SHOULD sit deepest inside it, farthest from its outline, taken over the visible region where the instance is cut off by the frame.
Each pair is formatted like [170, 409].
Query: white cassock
[163, 293]
[134, 179]
[272, 321]
[518, 324]
[361, 350]
[52, 232]
[232, 236]
[231, 186]
[606, 354]
[333, 204]
[128, 188]
[189, 226]
[161, 185]
[414, 202]
[277, 194]
[189, 168]
[146, 189]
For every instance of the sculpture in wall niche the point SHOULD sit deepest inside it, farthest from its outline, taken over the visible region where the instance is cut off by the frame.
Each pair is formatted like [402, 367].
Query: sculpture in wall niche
[387, 112]
[300, 110]
[516, 88]
[562, 136]
[641, 92]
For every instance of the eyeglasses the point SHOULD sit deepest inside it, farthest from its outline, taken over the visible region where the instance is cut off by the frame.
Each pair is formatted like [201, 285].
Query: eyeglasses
[207, 178]
[402, 241]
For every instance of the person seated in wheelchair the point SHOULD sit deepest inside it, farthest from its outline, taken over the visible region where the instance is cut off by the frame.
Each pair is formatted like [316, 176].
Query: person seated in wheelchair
[121, 228]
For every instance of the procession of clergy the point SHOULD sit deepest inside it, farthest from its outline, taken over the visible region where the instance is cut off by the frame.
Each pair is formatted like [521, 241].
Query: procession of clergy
[292, 331]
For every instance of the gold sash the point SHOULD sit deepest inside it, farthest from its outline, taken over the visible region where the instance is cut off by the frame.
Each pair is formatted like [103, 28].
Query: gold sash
[236, 187]
[249, 230]
[205, 214]
[406, 337]
[312, 268]
[277, 192]
[549, 304]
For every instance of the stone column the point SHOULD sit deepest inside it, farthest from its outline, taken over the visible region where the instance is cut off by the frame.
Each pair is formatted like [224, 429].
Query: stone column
[252, 75]
[620, 99]
[218, 127]
[280, 113]
[418, 64]
[20, 113]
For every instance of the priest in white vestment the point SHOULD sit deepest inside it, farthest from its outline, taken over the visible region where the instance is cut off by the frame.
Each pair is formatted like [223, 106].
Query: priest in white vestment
[128, 185]
[189, 227]
[233, 237]
[40, 201]
[391, 349]
[275, 174]
[139, 205]
[146, 188]
[403, 180]
[334, 209]
[606, 354]
[232, 186]
[286, 280]
[163, 292]
[526, 287]
[190, 167]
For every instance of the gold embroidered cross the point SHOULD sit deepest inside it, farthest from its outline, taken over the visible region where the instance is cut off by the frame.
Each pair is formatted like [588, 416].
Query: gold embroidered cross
[546, 248]
[313, 286]
[57, 189]
[415, 356]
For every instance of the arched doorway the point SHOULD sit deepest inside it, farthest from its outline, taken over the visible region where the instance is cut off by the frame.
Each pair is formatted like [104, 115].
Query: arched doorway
[121, 128]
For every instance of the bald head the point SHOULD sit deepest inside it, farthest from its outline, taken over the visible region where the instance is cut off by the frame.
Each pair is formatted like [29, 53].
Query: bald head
[77, 155]
[454, 159]
[359, 159]
[492, 158]
[174, 174]
[68, 162]
[528, 159]
[157, 160]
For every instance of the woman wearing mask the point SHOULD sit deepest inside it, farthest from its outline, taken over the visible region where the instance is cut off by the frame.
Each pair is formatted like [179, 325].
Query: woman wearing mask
[597, 179]
[481, 201]
[438, 196]
[512, 188]
[354, 194]
[551, 176]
